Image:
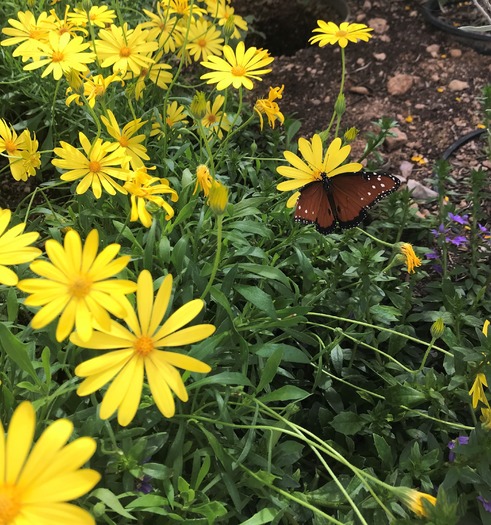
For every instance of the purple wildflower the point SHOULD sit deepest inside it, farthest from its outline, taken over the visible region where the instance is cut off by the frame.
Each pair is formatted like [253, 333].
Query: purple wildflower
[461, 440]
[459, 240]
[441, 231]
[143, 485]
[458, 218]
[485, 503]
[432, 255]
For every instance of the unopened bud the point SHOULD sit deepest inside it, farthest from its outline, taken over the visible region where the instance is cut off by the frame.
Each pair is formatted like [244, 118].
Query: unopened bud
[437, 328]
[340, 105]
[229, 27]
[350, 134]
[218, 198]
[198, 105]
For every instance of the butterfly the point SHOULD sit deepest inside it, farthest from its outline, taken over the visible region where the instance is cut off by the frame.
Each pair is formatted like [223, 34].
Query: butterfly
[342, 201]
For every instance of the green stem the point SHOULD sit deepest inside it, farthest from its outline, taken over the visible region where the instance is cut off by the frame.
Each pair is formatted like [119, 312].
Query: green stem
[216, 262]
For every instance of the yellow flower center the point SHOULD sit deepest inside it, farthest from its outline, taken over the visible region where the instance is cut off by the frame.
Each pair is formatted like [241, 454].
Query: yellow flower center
[143, 345]
[143, 73]
[124, 141]
[211, 118]
[10, 146]
[239, 71]
[9, 504]
[80, 287]
[36, 34]
[202, 42]
[125, 52]
[57, 56]
[341, 34]
[94, 166]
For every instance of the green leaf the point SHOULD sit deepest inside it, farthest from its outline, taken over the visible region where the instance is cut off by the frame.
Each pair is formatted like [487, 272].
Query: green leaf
[347, 423]
[384, 314]
[267, 272]
[110, 500]
[258, 298]
[291, 354]
[285, 393]
[263, 516]
[223, 378]
[18, 352]
[270, 369]
[384, 451]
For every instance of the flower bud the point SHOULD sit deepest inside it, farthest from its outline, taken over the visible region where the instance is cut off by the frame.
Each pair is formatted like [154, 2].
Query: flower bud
[229, 27]
[198, 105]
[340, 105]
[218, 198]
[437, 328]
[350, 134]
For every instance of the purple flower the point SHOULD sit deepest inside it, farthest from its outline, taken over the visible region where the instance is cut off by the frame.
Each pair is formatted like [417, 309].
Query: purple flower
[432, 255]
[441, 231]
[144, 485]
[485, 503]
[461, 440]
[459, 240]
[460, 219]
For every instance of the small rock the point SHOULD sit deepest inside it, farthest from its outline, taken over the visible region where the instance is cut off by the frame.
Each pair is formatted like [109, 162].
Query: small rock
[406, 169]
[360, 61]
[433, 50]
[419, 191]
[316, 102]
[419, 106]
[435, 77]
[367, 5]
[455, 53]
[458, 85]
[384, 38]
[393, 143]
[379, 25]
[360, 90]
[399, 84]
[379, 56]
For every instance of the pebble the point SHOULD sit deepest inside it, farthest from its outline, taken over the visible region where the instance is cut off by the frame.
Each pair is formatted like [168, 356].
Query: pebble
[455, 53]
[360, 90]
[433, 50]
[400, 84]
[396, 142]
[379, 25]
[379, 56]
[457, 85]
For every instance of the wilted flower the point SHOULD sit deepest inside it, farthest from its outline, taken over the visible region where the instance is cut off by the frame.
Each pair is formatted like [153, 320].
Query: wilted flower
[477, 390]
[412, 260]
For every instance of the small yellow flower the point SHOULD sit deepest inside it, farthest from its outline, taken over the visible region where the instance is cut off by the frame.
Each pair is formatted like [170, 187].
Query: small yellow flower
[330, 33]
[269, 107]
[214, 119]
[99, 16]
[477, 390]
[218, 198]
[238, 67]
[409, 119]
[38, 479]
[93, 88]
[203, 179]
[414, 500]
[144, 188]
[14, 247]
[412, 260]
[174, 114]
[204, 40]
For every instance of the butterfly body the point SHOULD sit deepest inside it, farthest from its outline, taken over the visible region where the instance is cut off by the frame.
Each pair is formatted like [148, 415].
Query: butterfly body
[342, 201]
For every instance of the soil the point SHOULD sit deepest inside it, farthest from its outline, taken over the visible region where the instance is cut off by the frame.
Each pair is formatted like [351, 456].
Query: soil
[433, 113]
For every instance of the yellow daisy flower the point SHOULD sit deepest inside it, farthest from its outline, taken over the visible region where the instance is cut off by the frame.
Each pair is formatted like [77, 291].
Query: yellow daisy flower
[125, 49]
[204, 40]
[414, 500]
[269, 107]
[139, 349]
[99, 16]
[157, 73]
[63, 25]
[182, 8]
[173, 115]
[26, 33]
[14, 247]
[102, 161]
[9, 140]
[76, 285]
[330, 33]
[238, 68]
[94, 87]
[412, 260]
[132, 145]
[144, 188]
[315, 163]
[163, 27]
[214, 119]
[477, 390]
[226, 16]
[62, 54]
[36, 481]
[203, 180]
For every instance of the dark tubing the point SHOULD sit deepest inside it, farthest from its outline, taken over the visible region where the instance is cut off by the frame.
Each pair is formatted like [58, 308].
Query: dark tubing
[481, 42]
[460, 142]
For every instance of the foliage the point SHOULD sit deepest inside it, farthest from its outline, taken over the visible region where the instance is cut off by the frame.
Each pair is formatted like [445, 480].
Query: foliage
[341, 364]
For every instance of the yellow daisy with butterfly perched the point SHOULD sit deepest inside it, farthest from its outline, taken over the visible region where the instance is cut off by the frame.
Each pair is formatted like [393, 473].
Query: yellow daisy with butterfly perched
[330, 193]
